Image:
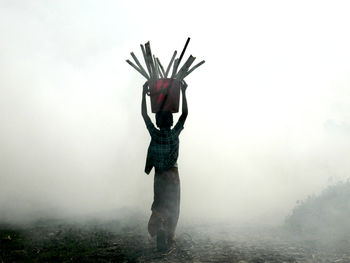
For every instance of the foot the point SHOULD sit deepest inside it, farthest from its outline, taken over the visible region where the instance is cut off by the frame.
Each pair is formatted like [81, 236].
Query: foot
[161, 241]
[171, 242]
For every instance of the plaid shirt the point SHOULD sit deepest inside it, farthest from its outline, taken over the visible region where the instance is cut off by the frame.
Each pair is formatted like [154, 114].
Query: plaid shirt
[163, 150]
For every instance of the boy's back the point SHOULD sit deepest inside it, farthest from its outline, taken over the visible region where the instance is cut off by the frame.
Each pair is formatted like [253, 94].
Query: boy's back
[162, 154]
[163, 150]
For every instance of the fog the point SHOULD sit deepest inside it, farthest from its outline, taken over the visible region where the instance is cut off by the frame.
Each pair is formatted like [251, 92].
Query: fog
[269, 111]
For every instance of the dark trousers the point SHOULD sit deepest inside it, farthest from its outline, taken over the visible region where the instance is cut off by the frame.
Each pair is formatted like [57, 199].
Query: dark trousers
[166, 203]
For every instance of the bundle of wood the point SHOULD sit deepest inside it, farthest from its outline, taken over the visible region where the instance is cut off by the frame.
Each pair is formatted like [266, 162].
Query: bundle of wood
[155, 70]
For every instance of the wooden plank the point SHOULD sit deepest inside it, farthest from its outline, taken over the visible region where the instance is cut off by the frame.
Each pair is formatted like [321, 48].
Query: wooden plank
[156, 71]
[135, 67]
[170, 63]
[160, 71]
[194, 67]
[174, 68]
[183, 51]
[161, 68]
[145, 58]
[150, 59]
[138, 63]
[185, 67]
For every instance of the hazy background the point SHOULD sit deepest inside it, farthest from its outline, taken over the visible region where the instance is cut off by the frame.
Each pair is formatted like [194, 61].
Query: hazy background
[269, 111]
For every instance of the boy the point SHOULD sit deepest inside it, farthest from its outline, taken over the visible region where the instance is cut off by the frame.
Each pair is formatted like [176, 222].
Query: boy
[162, 155]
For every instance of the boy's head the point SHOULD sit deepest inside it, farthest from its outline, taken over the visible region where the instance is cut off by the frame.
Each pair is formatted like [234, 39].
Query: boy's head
[164, 119]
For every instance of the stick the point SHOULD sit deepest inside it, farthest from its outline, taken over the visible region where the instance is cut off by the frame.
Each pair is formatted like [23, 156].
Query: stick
[174, 68]
[145, 58]
[170, 63]
[194, 67]
[161, 68]
[138, 63]
[185, 67]
[183, 51]
[149, 58]
[160, 72]
[156, 67]
[133, 65]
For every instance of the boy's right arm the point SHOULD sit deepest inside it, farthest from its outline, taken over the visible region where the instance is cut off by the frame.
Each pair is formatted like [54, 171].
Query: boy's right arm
[145, 116]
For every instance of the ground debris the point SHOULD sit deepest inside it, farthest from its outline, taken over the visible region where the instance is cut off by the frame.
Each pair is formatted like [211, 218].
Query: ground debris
[127, 241]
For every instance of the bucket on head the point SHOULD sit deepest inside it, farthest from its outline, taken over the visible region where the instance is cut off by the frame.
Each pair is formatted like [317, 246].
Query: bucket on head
[165, 95]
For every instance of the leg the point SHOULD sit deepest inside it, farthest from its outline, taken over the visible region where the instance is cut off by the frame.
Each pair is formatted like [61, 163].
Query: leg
[156, 224]
[165, 207]
[173, 204]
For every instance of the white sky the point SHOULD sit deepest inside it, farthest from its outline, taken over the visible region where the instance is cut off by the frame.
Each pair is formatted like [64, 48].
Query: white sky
[269, 119]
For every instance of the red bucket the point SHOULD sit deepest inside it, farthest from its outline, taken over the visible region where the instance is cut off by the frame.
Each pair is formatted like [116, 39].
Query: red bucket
[165, 95]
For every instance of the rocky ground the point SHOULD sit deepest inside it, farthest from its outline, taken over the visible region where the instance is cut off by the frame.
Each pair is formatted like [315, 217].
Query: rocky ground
[126, 240]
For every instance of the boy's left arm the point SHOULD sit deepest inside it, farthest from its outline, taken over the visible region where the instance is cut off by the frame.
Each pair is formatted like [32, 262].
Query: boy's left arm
[184, 103]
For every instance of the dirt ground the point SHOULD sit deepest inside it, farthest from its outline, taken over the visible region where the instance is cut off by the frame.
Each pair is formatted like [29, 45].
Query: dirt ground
[126, 240]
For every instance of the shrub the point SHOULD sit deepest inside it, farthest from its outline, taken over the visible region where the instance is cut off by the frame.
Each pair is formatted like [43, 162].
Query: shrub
[324, 216]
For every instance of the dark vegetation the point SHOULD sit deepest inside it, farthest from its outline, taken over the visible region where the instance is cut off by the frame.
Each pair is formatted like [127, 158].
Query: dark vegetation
[51, 241]
[324, 218]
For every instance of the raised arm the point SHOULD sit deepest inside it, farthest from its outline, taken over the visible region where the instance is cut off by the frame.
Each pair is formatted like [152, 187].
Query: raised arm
[145, 116]
[184, 103]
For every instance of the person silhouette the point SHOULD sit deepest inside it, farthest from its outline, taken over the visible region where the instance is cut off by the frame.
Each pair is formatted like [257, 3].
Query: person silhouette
[162, 154]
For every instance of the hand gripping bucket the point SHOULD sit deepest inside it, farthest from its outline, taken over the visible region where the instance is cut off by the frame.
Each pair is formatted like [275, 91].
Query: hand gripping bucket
[165, 95]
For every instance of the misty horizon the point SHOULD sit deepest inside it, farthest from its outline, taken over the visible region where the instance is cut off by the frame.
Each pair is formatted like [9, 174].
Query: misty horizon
[268, 121]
